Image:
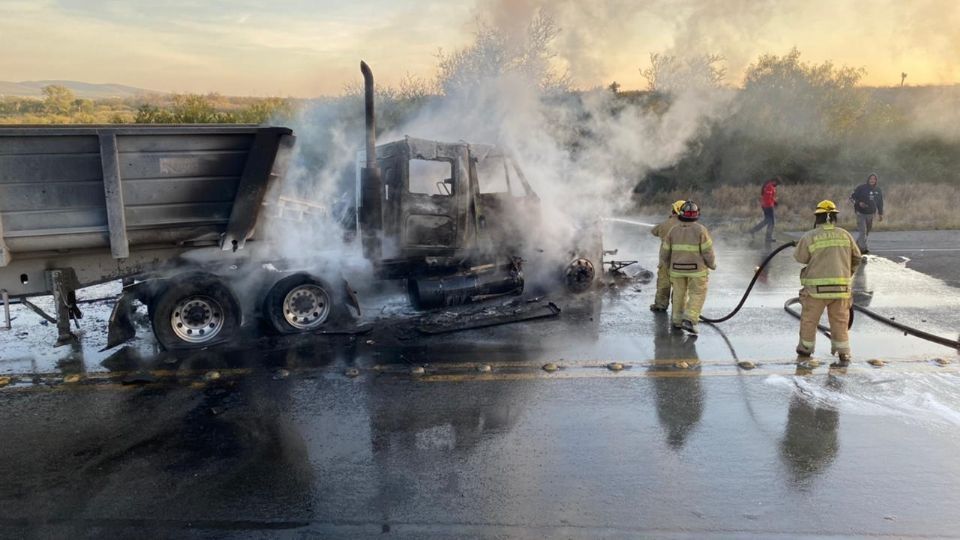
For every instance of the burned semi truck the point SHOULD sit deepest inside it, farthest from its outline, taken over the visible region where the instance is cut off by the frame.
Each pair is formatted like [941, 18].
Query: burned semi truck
[178, 212]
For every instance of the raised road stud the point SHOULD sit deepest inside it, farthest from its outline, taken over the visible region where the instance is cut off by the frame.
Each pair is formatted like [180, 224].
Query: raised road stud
[550, 367]
[615, 366]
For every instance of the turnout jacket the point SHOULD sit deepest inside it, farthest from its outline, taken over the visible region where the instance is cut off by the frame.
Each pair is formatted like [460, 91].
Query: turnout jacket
[663, 229]
[687, 250]
[831, 257]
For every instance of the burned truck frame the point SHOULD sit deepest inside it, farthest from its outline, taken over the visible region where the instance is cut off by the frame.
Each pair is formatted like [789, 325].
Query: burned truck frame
[456, 220]
[174, 211]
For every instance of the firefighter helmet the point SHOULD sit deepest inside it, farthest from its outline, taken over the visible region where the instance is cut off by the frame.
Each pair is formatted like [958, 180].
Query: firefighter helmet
[677, 206]
[689, 211]
[826, 207]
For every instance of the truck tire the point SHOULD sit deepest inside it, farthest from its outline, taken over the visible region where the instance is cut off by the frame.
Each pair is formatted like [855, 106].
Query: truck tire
[301, 303]
[194, 311]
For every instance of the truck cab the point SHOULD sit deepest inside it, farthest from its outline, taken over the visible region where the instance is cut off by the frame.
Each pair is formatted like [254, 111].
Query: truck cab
[445, 203]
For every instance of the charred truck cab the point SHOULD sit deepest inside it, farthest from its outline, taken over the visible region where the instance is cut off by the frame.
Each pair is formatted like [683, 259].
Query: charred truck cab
[456, 220]
[454, 235]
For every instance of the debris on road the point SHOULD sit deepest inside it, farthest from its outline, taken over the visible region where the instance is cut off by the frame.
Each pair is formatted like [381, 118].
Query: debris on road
[511, 312]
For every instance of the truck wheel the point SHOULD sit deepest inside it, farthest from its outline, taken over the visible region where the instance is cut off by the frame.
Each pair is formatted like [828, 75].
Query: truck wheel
[300, 303]
[579, 275]
[194, 312]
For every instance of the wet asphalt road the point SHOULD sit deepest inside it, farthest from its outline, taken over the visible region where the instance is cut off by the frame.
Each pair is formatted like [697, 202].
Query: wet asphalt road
[934, 253]
[288, 441]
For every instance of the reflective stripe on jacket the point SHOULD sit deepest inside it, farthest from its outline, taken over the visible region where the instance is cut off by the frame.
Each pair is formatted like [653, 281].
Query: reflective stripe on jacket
[688, 250]
[831, 257]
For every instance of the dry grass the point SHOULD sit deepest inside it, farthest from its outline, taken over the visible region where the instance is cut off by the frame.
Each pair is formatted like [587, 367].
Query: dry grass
[906, 207]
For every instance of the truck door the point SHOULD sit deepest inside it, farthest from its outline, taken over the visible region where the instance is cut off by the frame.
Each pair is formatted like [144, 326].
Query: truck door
[433, 213]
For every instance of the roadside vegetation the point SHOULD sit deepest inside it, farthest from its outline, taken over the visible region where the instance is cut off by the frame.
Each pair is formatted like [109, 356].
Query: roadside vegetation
[691, 132]
[59, 105]
[732, 209]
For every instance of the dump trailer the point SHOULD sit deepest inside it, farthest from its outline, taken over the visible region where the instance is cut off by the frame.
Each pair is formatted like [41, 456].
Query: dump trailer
[85, 205]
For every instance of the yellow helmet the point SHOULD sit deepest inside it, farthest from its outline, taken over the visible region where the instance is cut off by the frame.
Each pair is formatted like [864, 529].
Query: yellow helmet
[826, 207]
[677, 206]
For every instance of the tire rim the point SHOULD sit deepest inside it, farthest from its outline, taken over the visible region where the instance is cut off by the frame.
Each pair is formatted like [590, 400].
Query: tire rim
[579, 275]
[306, 306]
[197, 319]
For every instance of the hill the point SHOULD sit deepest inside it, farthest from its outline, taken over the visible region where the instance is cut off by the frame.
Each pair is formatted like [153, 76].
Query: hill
[83, 90]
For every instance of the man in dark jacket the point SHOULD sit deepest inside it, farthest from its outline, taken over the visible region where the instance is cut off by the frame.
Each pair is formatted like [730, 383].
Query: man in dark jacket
[768, 201]
[867, 200]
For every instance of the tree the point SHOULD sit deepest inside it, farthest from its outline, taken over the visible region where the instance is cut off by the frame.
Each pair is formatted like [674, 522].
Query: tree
[57, 99]
[494, 54]
[784, 96]
[669, 73]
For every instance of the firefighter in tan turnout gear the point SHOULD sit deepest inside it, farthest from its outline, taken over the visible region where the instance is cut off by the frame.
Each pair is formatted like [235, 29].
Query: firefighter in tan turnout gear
[662, 300]
[687, 253]
[831, 257]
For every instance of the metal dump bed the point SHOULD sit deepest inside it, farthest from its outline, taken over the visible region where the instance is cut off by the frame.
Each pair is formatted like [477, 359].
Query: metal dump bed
[109, 201]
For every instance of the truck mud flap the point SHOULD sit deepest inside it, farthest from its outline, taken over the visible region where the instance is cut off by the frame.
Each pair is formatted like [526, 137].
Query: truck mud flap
[524, 313]
[120, 329]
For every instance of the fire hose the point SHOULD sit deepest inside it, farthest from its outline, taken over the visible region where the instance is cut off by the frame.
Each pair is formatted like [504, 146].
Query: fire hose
[954, 344]
[756, 276]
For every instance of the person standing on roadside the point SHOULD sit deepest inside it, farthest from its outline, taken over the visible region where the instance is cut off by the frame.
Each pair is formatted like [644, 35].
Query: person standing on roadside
[687, 253]
[867, 201]
[662, 299]
[831, 257]
[768, 201]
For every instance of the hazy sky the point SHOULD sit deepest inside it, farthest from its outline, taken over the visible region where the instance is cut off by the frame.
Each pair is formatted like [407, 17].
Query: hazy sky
[308, 48]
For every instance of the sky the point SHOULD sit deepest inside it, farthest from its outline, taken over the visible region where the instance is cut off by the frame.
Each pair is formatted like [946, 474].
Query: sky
[304, 48]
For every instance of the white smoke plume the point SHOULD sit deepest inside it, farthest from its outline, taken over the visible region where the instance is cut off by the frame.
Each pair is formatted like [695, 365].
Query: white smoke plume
[583, 152]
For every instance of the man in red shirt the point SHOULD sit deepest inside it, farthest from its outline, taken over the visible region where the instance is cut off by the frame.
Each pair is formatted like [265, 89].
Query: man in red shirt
[768, 201]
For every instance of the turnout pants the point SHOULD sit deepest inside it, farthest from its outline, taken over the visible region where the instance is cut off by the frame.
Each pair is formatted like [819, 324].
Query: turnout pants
[662, 299]
[838, 313]
[689, 294]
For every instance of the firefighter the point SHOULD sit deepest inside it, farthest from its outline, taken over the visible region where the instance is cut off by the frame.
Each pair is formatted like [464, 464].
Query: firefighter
[662, 299]
[688, 254]
[831, 257]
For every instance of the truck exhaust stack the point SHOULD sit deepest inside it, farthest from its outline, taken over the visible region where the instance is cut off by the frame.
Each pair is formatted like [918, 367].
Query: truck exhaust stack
[369, 214]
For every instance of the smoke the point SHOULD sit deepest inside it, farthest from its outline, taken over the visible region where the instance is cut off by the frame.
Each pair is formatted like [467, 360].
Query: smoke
[308, 217]
[583, 153]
